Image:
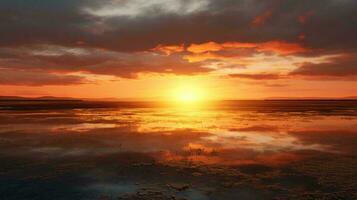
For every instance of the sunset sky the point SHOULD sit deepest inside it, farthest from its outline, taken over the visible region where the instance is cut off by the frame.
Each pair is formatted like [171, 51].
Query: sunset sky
[159, 49]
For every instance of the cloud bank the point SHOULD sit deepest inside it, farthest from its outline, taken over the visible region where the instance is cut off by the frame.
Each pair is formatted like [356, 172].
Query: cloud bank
[126, 38]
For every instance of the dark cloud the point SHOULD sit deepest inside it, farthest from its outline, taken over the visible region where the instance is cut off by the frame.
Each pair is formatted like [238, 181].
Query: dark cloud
[15, 77]
[262, 76]
[96, 61]
[338, 67]
[342, 66]
[130, 65]
[31, 22]
[258, 128]
[67, 23]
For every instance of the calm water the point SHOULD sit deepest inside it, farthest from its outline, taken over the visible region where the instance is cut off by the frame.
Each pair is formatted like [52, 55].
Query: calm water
[230, 150]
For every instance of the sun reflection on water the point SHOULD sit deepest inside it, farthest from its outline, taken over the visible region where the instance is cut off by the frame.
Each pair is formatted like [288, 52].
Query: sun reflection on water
[189, 132]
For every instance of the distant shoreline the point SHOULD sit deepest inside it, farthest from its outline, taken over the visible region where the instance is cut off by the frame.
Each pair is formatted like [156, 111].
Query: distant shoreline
[310, 99]
[74, 100]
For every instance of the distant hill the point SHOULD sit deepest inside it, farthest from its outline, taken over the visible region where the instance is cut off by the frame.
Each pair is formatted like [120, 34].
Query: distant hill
[351, 97]
[12, 98]
[52, 98]
[312, 98]
[55, 98]
[44, 98]
[113, 99]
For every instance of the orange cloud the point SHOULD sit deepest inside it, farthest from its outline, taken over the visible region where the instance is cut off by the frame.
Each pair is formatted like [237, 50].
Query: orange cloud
[170, 49]
[213, 46]
[237, 45]
[202, 57]
[201, 48]
[279, 47]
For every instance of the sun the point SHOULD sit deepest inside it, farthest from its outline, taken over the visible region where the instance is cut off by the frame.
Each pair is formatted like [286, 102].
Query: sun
[188, 94]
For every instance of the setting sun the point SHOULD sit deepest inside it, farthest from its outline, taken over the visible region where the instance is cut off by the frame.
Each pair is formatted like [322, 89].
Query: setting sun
[188, 94]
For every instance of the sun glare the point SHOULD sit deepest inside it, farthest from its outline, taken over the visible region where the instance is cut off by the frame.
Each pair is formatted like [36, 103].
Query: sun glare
[188, 94]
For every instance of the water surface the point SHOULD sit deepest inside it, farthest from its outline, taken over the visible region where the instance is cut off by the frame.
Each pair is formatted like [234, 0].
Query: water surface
[227, 150]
